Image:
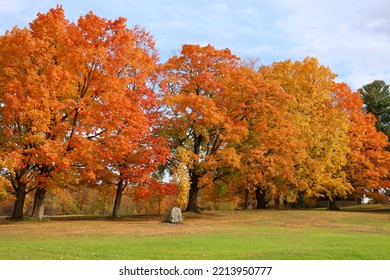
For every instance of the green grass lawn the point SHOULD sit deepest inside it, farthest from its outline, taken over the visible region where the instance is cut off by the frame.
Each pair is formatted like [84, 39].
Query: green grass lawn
[357, 234]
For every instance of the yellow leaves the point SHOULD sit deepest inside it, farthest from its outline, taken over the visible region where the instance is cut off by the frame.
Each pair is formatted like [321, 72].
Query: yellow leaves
[12, 160]
[308, 82]
[321, 129]
[229, 157]
[180, 175]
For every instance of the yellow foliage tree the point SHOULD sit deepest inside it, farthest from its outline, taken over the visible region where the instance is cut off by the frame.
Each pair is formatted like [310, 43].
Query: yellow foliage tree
[322, 129]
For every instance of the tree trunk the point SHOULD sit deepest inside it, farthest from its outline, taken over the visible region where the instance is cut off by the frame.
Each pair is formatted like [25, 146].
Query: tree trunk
[193, 194]
[38, 208]
[277, 203]
[301, 200]
[285, 202]
[246, 205]
[17, 213]
[159, 205]
[194, 177]
[117, 204]
[193, 199]
[332, 205]
[260, 197]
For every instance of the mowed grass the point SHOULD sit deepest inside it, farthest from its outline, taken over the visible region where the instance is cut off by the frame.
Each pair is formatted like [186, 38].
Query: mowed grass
[356, 234]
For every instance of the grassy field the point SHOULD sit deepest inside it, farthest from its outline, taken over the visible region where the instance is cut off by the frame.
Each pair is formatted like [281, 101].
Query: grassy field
[356, 234]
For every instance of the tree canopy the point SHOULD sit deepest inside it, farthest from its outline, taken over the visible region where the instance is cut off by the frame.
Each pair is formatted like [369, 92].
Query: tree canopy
[77, 104]
[87, 104]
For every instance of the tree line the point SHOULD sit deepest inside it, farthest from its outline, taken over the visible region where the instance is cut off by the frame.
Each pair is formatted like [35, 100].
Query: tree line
[88, 103]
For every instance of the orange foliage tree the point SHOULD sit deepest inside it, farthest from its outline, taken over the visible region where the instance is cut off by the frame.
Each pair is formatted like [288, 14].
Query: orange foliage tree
[268, 150]
[77, 99]
[199, 126]
[368, 162]
[121, 108]
[31, 81]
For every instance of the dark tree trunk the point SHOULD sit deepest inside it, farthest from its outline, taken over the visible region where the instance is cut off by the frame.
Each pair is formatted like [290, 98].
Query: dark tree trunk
[332, 205]
[246, 205]
[38, 208]
[117, 204]
[285, 202]
[17, 213]
[300, 203]
[193, 194]
[193, 199]
[277, 203]
[260, 197]
[194, 177]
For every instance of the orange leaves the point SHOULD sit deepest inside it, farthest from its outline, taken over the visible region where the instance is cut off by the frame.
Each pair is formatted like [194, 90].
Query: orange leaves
[368, 161]
[81, 95]
[77, 103]
[197, 95]
[193, 90]
[198, 70]
[268, 150]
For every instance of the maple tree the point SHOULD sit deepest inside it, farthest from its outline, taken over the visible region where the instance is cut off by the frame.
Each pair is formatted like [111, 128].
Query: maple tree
[267, 151]
[368, 162]
[199, 125]
[77, 100]
[125, 126]
[26, 68]
[322, 129]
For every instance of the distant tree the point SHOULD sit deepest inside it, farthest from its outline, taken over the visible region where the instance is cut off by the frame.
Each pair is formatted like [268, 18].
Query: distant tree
[322, 130]
[269, 148]
[376, 98]
[368, 162]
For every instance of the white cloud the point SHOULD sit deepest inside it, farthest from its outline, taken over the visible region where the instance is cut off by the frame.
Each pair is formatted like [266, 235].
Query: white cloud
[352, 37]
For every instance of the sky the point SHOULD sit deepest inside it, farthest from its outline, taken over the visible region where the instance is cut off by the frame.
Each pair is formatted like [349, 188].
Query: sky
[352, 37]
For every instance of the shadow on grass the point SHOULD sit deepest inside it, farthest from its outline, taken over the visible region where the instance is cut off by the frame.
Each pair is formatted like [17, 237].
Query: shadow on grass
[7, 220]
[368, 208]
[206, 215]
[108, 218]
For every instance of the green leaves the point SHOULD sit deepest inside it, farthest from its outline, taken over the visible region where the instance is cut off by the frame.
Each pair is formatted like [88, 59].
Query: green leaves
[376, 98]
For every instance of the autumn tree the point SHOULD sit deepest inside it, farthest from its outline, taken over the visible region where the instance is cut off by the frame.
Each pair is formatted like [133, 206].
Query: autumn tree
[125, 110]
[77, 98]
[199, 125]
[27, 152]
[50, 31]
[322, 129]
[368, 162]
[268, 150]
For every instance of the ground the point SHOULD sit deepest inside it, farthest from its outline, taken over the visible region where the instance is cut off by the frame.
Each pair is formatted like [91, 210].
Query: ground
[354, 233]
